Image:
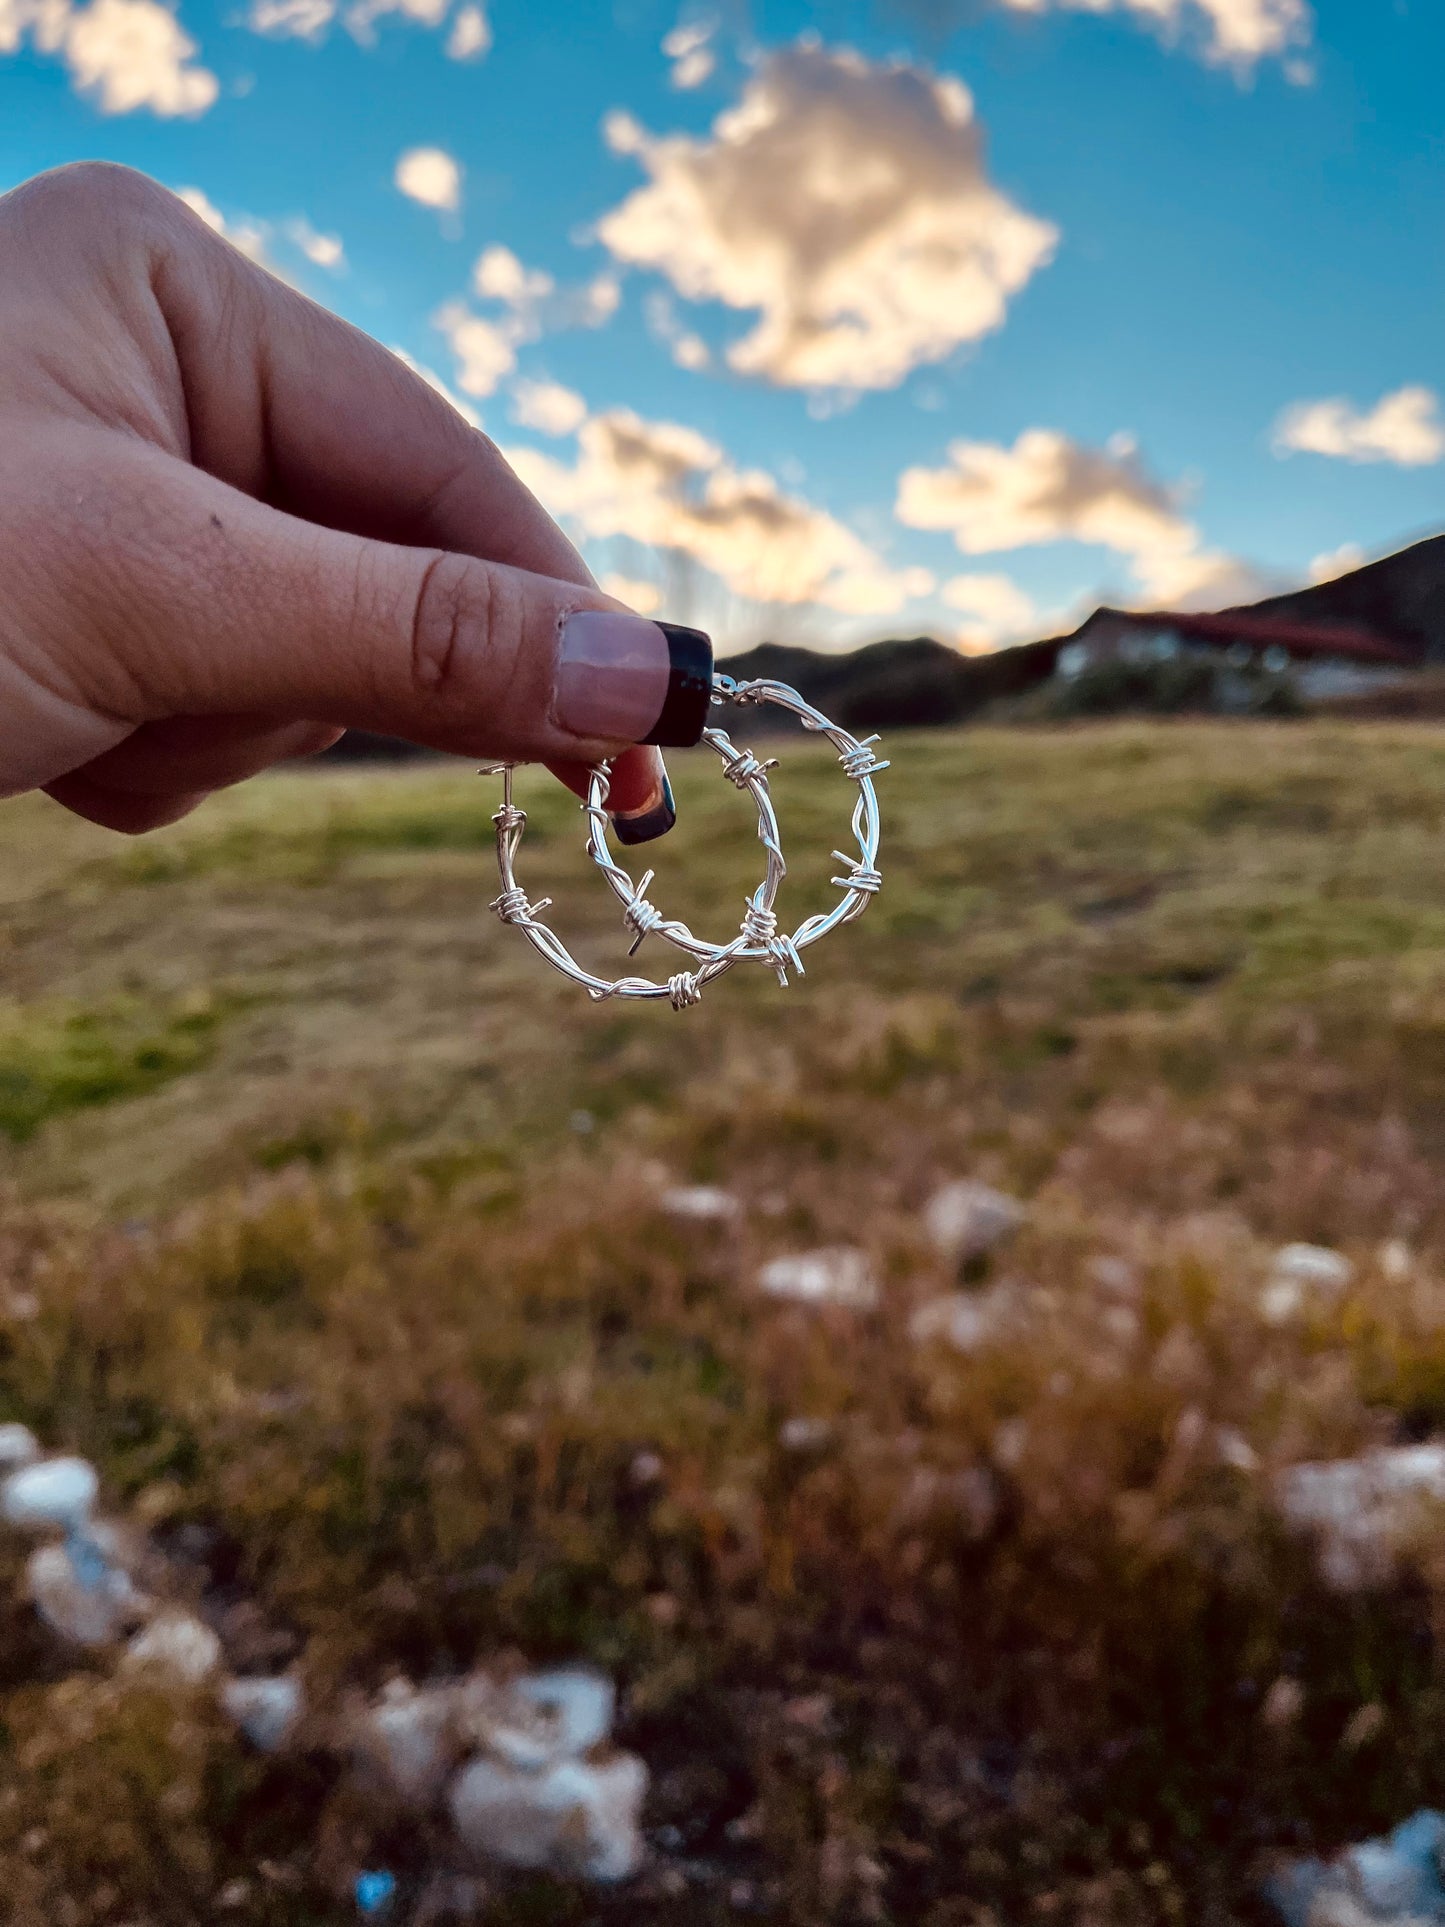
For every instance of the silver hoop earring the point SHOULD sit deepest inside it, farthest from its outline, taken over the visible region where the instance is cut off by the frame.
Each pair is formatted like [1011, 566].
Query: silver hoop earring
[759, 939]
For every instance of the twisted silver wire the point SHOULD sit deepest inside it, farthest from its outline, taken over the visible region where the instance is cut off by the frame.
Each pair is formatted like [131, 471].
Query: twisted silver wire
[759, 940]
[741, 767]
[682, 991]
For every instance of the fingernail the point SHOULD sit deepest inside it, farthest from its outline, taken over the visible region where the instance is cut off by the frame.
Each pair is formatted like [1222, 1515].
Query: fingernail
[655, 819]
[638, 681]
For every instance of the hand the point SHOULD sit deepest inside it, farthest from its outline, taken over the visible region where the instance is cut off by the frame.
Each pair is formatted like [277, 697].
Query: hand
[231, 526]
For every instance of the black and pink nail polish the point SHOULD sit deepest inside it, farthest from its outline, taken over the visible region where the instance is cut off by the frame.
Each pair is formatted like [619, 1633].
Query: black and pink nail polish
[627, 677]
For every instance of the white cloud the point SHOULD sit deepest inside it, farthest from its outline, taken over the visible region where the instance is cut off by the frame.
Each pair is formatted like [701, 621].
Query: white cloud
[257, 238]
[321, 250]
[1403, 428]
[471, 35]
[484, 351]
[1230, 33]
[431, 176]
[126, 54]
[361, 18]
[668, 487]
[1000, 609]
[500, 276]
[291, 19]
[1200, 579]
[548, 407]
[434, 380]
[687, 349]
[848, 203]
[1047, 488]
[1337, 562]
[693, 60]
[42, 21]
[531, 305]
[644, 597]
[245, 232]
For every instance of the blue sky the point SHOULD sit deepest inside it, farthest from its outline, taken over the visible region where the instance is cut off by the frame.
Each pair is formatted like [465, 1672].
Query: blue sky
[832, 322]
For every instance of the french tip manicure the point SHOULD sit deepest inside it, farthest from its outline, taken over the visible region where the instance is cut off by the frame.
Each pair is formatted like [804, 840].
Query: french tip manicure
[644, 826]
[632, 679]
[689, 688]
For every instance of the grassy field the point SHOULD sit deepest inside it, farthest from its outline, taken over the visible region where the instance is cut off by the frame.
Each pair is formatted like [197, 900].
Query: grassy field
[332, 1234]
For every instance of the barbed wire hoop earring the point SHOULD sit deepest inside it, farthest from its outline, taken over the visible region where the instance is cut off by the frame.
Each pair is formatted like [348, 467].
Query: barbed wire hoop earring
[758, 940]
[758, 930]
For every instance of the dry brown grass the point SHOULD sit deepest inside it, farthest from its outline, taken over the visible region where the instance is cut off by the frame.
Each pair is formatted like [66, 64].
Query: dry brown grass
[341, 1216]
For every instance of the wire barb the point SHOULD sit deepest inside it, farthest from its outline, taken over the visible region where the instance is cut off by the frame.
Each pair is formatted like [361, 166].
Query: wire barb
[780, 953]
[684, 990]
[742, 766]
[859, 877]
[512, 906]
[860, 761]
[641, 916]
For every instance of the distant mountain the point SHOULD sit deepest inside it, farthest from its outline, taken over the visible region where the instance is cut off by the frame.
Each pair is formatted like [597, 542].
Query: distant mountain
[920, 683]
[1401, 598]
[897, 685]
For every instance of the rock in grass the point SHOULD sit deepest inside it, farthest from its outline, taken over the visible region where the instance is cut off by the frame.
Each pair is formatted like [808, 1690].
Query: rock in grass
[533, 1722]
[80, 1591]
[49, 1494]
[404, 1742]
[1394, 1881]
[267, 1710]
[577, 1819]
[834, 1275]
[1365, 1512]
[967, 1320]
[18, 1446]
[967, 1219]
[703, 1203]
[1302, 1275]
[175, 1644]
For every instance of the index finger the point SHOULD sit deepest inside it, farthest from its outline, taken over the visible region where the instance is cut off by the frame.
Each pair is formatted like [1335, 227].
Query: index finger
[300, 409]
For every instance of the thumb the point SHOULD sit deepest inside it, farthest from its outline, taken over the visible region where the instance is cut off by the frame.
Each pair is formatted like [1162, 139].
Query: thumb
[219, 605]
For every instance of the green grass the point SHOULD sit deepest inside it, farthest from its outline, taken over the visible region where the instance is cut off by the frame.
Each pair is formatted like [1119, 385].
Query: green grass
[341, 1215]
[58, 1058]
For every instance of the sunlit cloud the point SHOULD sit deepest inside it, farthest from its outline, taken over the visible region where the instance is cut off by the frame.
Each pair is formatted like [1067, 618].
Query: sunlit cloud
[1199, 579]
[548, 407]
[484, 350]
[687, 349]
[1228, 33]
[430, 176]
[469, 39]
[998, 610]
[125, 54]
[529, 304]
[243, 232]
[846, 202]
[671, 489]
[321, 250]
[258, 239]
[1404, 428]
[644, 597]
[500, 276]
[1047, 488]
[1337, 562]
[693, 59]
[471, 35]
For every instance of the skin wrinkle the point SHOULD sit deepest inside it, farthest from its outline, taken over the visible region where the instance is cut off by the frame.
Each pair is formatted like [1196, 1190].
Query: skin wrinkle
[430, 665]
